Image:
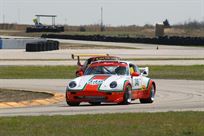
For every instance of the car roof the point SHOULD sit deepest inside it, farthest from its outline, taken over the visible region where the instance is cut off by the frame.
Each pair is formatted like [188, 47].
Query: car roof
[103, 57]
[109, 62]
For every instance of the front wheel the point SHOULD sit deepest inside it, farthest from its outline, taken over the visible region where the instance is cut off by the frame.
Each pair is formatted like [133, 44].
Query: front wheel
[95, 103]
[151, 97]
[73, 103]
[127, 96]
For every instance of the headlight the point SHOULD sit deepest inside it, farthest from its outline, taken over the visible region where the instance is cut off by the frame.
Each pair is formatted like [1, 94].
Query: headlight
[72, 84]
[113, 84]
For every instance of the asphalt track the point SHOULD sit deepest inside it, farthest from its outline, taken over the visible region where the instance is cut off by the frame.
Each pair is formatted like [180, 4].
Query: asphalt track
[18, 57]
[172, 95]
[63, 57]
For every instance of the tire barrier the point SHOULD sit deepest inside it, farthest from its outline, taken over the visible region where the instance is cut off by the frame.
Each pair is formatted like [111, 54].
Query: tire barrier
[165, 40]
[45, 29]
[17, 43]
[42, 46]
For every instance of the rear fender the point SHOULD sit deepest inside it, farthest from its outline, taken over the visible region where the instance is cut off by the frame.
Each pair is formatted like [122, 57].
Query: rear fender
[148, 90]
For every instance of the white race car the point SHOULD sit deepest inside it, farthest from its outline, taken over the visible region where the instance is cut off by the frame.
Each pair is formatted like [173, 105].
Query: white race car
[111, 81]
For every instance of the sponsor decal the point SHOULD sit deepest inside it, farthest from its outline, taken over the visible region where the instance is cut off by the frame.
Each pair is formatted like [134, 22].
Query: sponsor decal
[95, 82]
[105, 58]
[137, 82]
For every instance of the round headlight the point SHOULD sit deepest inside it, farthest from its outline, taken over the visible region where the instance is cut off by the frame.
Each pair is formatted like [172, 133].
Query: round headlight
[113, 84]
[72, 84]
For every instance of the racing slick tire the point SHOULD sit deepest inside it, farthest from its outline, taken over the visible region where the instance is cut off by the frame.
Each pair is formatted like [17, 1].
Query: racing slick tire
[73, 103]
[95, 103]
[127, 96]
[151, 97]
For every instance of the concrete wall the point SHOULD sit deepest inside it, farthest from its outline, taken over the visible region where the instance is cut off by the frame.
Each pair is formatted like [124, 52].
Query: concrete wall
[17, 43]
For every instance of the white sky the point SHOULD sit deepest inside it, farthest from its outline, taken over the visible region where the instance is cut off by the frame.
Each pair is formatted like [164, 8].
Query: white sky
[116, 12]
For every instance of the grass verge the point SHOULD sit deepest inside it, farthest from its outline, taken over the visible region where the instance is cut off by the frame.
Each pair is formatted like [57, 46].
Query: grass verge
[37, 72]
[194, 72]
[127, 124]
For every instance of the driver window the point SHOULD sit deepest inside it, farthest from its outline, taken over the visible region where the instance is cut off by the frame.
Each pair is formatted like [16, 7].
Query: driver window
[132, 69]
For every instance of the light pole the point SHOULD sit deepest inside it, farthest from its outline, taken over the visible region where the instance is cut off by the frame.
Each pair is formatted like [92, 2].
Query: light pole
[3, 15]
[102, 28]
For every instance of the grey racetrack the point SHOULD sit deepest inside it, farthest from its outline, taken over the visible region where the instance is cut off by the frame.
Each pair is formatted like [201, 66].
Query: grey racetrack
[13, 57]
[172, 95]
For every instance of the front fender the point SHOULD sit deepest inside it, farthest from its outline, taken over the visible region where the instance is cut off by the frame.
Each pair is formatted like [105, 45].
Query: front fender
[121, 84]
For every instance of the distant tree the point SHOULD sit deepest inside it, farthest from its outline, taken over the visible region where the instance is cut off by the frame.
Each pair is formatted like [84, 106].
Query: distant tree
[191, 25]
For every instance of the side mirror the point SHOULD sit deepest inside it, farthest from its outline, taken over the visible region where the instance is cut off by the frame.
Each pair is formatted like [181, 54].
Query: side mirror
[79, 73]
[144, 71]
[135, 74]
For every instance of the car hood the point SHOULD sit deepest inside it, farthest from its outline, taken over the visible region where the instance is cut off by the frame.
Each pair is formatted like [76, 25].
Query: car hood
[99, 82]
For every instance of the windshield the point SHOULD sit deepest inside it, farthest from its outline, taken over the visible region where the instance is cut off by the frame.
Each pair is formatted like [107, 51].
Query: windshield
[116, 70]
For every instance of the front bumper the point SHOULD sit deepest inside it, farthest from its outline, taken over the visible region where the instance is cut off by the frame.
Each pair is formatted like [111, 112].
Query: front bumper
[94, 96]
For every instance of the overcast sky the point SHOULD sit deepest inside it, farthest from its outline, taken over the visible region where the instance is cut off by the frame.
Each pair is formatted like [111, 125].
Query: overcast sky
[115, 12]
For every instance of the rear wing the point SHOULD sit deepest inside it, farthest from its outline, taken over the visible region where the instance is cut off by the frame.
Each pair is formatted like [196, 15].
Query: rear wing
[78, 56]
[144, 71]
[73, 56]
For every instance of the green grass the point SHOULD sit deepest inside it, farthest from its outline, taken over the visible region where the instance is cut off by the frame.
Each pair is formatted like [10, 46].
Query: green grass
[195, 72]
[127, 124]
[38, 72]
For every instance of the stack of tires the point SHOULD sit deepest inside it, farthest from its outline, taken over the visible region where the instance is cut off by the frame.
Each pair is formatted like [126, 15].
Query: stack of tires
[42, 46]
[45, 29]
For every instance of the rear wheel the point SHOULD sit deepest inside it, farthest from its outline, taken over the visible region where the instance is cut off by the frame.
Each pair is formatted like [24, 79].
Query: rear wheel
[127, 95]
[151, 97]
[95, 103]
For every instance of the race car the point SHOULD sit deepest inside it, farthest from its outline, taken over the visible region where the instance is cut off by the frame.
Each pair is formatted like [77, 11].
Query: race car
[93, 57]
[111, 81]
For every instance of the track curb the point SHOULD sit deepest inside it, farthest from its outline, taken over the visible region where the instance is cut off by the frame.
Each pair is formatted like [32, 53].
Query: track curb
[57, 97]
